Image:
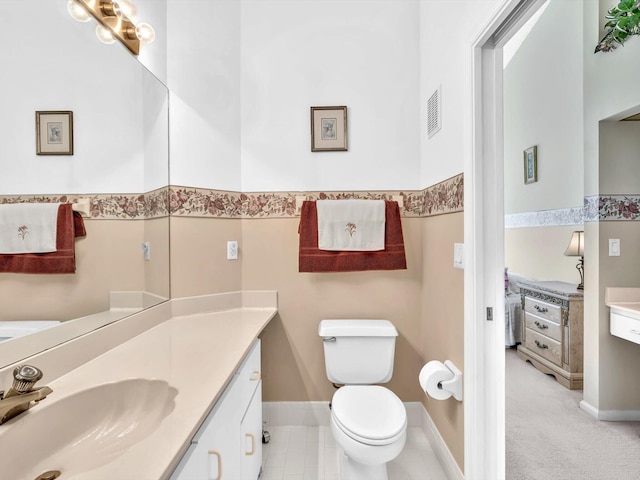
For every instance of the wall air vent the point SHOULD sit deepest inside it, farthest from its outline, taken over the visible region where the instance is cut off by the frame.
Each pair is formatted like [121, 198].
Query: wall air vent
[434, 116]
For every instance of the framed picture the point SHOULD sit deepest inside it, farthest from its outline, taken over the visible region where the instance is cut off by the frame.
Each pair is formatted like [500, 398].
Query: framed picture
[328, 129]
[54, 132]
[531, 165]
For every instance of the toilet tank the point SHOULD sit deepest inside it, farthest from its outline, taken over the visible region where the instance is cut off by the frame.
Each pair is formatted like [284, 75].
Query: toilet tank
[358, 352]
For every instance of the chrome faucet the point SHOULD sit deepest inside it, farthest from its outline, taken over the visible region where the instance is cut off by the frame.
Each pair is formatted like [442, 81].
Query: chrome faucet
[21, 396]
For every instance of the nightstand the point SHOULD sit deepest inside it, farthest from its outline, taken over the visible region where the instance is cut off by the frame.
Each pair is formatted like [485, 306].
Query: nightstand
[553, 330]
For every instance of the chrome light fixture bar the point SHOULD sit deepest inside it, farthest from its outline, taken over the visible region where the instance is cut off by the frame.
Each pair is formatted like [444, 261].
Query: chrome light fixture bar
[115, 21]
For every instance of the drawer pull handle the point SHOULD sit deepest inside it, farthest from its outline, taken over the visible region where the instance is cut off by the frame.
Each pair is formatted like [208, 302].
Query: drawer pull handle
[541, 326]
[541, 345]
[253, 444]
[255, 376]
[635, 332]
[541, 309]
[218, 464]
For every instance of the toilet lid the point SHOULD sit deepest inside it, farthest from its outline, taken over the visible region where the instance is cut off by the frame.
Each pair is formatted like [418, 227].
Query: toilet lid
[369, 413]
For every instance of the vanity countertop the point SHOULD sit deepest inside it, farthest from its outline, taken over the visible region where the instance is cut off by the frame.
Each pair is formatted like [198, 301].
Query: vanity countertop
[624, 300]
[197, 354]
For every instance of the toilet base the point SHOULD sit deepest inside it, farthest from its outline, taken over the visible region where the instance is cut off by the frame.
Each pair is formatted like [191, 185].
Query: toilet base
[351, 470]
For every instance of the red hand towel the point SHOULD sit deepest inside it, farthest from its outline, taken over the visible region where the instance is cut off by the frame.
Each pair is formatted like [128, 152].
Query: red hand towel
[311, 259]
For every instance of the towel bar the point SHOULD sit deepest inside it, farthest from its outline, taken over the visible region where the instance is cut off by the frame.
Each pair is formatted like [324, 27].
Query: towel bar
[83, 206]
[302, 198]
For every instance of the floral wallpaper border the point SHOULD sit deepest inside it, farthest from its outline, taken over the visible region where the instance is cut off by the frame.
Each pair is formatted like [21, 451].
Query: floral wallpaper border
[445, 197]
[121, 206]
[597, 208]
[442, 198]
[545, 218]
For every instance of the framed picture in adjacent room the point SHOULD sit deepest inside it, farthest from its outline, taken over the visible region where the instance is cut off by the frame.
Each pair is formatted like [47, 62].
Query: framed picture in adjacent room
[328, 129]
[531, 165]
[54, 132]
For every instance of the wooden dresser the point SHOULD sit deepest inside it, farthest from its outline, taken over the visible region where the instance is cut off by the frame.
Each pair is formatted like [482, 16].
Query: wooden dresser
[553, 330]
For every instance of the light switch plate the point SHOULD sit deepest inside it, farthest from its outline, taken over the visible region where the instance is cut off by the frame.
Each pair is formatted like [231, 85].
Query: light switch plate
[614, 247]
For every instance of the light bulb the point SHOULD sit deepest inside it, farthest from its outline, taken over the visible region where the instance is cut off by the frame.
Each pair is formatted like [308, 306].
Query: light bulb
[128, 9]
[104, 35]
[145, 33]
[77, 11]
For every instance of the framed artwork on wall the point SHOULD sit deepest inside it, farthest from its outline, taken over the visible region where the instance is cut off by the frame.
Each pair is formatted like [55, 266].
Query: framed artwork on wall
[328, 129]
[531, 165]
[54, 132]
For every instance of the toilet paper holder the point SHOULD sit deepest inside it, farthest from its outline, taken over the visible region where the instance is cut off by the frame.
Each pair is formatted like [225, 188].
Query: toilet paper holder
[455, 384]
[441, 381]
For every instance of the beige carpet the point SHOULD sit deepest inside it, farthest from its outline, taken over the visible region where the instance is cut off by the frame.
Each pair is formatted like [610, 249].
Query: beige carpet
[549, 437]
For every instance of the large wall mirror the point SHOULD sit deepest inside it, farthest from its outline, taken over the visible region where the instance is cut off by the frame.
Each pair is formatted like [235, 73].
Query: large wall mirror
[120, 163]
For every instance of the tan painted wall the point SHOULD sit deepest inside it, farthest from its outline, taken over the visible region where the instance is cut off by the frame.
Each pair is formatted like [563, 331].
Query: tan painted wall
[538, 253]
[425, 303]
[108, 258]
[198, 256]
[442, 322]
[293, 368]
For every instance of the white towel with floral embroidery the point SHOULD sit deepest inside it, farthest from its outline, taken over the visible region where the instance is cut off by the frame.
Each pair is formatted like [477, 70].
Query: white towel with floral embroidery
[28, 227]
[351, 225]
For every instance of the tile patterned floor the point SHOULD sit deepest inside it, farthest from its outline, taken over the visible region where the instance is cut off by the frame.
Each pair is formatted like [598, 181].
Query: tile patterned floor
[310, 453]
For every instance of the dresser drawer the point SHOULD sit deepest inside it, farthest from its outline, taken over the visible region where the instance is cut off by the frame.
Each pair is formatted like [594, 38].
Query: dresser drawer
[542, 309]
[544, 346]
[544, 326]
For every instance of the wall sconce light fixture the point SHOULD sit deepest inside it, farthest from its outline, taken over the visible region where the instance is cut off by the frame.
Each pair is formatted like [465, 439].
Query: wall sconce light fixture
[115, 21]
[576, 249]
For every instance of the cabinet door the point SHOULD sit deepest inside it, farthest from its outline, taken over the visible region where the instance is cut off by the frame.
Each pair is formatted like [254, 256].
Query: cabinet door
[251, 437]
[214, 455]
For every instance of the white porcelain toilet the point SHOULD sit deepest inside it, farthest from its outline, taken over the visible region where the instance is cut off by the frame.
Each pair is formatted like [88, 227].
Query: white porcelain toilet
[368, 422]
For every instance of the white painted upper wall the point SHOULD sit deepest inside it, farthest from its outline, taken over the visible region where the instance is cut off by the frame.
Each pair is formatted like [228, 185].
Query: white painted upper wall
[59, 64]
[609, 94]
[543, 98]
[203, 76]
[448, 29]
[360, 53]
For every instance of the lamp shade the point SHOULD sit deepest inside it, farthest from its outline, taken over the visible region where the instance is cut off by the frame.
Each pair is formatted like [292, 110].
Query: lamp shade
[576, 245]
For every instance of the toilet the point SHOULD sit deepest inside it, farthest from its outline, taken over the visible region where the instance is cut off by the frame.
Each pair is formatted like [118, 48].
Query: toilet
[368, 421]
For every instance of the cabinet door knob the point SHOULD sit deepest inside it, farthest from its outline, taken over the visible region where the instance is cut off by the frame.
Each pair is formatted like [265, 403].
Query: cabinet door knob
[253, 444]
[215, 474]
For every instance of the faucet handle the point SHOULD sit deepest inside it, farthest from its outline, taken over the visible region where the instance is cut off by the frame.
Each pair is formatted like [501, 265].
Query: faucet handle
[24, 377]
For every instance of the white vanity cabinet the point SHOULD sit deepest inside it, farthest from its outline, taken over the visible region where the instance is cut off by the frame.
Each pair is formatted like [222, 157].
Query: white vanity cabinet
[624, 315]
[228, 445]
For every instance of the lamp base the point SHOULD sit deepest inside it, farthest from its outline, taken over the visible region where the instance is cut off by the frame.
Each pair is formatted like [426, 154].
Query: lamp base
[580, 268]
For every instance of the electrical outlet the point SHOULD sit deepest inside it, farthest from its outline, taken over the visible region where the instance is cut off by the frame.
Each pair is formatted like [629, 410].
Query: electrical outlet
[232, 250]
[458, 255]
[146, 248]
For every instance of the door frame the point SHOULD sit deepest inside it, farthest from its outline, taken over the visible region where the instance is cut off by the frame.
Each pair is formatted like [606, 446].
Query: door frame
[484, 338]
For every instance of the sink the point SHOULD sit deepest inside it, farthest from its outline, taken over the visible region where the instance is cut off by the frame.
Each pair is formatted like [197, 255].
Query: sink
[83, 431]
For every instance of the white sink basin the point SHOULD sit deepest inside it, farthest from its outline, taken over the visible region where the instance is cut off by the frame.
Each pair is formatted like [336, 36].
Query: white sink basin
[83, 431]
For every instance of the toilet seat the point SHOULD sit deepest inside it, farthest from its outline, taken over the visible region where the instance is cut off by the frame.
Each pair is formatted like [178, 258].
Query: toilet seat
[369, 414]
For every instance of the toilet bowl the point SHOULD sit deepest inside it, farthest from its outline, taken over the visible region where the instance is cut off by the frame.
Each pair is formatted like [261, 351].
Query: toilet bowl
[368, 421]
[369, 424]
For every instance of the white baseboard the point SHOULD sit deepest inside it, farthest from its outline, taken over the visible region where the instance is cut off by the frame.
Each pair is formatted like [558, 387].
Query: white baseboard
[610, 415]
[443, 454]
[312, 414]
